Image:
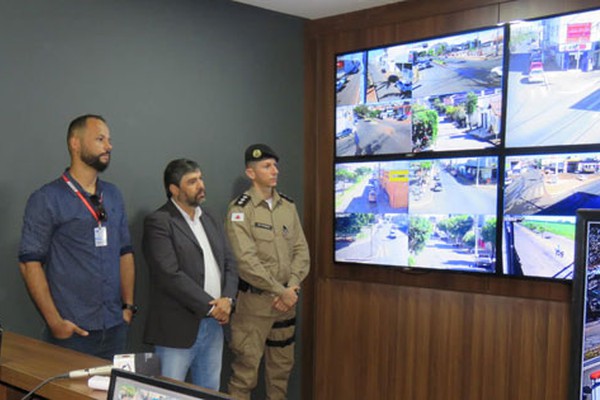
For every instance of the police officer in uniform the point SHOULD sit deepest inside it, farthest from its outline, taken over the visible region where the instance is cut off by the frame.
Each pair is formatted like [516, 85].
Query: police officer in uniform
[273, 259]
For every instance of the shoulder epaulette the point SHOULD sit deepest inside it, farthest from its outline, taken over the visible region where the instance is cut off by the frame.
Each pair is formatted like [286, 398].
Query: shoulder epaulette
[242, 200]
[283, 196]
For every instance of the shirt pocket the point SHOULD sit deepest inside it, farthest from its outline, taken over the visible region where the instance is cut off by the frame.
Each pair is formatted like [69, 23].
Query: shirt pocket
[265, 243]
[78, 229]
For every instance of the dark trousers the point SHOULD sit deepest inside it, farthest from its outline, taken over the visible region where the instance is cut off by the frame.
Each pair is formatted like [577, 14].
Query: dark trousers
[104, 343]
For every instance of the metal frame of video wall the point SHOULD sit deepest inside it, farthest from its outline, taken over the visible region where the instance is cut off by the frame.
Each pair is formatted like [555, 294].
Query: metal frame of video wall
[470, 152]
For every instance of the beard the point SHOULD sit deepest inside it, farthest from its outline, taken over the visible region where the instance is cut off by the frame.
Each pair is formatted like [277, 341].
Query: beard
[196, 200]
[95, 161]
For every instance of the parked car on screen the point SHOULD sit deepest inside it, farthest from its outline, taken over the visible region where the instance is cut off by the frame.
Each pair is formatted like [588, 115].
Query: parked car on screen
[345, 239]
[536, 65]
[496, 72]
[344, 133]
[536, 76]
[340, 83]
[483, 260]
[348, 66]
[404, 87]
[372, 197]
[424, 63]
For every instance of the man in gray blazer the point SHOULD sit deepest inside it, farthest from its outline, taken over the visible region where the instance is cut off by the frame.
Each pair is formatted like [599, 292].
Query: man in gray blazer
[193, 280]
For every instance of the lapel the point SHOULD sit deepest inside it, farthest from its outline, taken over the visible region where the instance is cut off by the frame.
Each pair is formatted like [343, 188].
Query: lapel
[180, 223]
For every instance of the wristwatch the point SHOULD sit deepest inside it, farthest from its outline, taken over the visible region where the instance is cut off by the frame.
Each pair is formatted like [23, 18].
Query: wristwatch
[231, 301]
[131, 307]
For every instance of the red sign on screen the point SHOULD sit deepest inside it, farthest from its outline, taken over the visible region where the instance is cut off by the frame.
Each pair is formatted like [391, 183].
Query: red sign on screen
[579, 32]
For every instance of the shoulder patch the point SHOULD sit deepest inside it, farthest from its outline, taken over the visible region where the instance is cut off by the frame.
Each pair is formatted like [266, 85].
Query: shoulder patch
[283, 196]
[242, 200]
[237, 217]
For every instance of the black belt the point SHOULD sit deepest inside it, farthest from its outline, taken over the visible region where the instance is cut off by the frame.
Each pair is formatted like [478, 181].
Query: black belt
[244, 286]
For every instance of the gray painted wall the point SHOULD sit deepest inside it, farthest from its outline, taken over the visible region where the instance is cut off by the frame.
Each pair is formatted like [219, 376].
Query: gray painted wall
[174, 78]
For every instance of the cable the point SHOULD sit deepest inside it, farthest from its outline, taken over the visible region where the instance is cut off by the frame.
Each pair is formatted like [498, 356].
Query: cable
[53, 378]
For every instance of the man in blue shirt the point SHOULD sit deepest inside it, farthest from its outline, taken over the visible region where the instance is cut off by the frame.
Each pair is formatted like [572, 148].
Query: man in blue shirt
[75, 253]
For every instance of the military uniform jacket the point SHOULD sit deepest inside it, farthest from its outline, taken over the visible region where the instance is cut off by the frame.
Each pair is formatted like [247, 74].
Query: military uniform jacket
[269, 244]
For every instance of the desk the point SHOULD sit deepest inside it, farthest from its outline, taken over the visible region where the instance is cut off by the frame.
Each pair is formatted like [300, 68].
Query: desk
[26, 362]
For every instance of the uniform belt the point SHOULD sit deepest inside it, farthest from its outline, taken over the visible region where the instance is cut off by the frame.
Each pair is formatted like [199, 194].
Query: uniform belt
[244, 286]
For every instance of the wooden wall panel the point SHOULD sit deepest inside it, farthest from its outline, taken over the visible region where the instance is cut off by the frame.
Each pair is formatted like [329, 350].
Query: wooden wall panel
[385, 333]
[387, 342]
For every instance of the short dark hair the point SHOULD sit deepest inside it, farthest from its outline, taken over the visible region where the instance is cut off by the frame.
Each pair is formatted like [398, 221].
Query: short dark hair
[175, 170]
[79, 123]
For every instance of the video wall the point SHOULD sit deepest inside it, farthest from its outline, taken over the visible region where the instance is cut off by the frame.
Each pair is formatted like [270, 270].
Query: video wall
[470, 152]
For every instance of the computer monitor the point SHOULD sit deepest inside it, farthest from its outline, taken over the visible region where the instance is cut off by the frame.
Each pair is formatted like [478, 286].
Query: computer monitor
[584, 379]
[131, 386]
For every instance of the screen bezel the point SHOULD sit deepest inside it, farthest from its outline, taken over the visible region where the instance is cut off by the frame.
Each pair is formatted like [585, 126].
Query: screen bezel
[162, 385]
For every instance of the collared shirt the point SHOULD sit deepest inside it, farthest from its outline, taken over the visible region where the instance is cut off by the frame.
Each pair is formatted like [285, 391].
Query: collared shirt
[58, 231]
[267, 239]
[212, 275]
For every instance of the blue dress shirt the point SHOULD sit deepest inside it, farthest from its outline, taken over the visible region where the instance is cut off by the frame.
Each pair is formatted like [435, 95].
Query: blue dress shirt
[58, 231]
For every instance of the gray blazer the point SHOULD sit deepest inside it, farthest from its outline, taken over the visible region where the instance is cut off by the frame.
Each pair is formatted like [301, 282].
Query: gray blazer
[178, 301]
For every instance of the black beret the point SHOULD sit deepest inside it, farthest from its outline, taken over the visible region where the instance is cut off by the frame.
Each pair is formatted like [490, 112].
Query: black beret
[258, 152]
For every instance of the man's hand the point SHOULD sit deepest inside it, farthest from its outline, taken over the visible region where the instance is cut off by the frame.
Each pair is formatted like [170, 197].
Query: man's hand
[221, 310]
[127, 316]
[288, 299]
[64, 329]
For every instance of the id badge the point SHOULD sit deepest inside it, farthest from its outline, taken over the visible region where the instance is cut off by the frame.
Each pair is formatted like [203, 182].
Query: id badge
[100, 236]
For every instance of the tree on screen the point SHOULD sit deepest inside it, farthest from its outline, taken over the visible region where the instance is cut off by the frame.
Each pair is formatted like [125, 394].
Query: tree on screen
[351, 224]
[418, 232]
[471, 105]
[488, 233]
[456, 227]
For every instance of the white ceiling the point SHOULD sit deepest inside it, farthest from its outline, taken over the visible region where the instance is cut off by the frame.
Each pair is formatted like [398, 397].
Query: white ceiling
[315, 9]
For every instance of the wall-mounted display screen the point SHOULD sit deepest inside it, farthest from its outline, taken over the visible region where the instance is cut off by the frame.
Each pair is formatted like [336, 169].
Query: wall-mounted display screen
[585, 313]
[424, 213]
[470, 152]
[542, 195]
[554, 81]
[433, 95]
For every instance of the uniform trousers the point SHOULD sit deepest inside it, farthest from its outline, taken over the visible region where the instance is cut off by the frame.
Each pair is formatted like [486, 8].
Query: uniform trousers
[251, 337]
